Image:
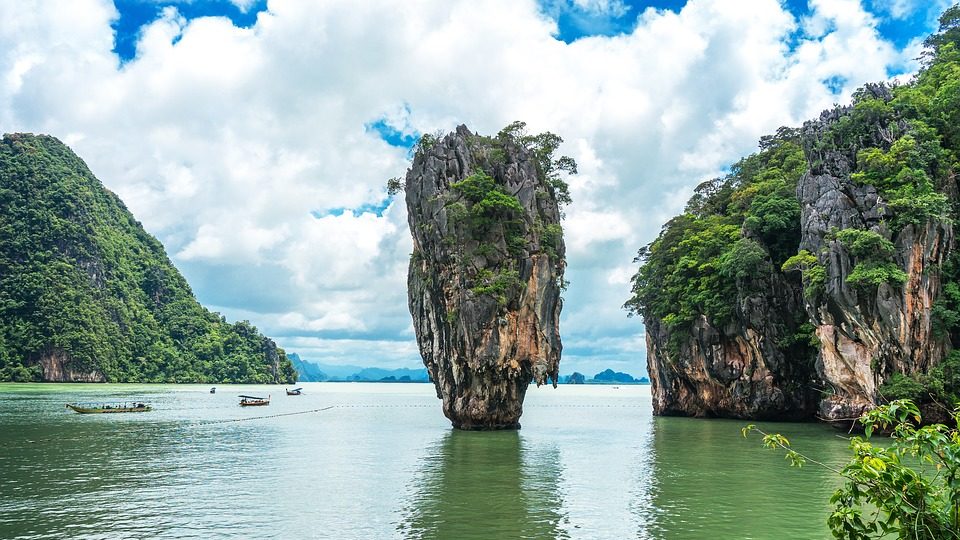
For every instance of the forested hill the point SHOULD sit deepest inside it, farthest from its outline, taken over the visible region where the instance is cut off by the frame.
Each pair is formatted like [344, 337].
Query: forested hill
[820, 277]
[87, 295]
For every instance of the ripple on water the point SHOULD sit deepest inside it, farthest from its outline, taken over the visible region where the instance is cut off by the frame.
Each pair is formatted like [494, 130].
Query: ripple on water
[589, 463]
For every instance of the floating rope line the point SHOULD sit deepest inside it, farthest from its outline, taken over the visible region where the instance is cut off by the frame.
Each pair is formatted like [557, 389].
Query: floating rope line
[4, 443]
[211, 422]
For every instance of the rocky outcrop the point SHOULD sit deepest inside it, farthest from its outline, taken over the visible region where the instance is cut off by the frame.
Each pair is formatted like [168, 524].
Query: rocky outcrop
[865, 334]
[485, 274]
[57, 366]
[760, 365]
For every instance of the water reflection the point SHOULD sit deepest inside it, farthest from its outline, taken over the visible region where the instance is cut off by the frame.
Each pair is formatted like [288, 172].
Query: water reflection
[591, 463]
[711, 482]
[486, 485]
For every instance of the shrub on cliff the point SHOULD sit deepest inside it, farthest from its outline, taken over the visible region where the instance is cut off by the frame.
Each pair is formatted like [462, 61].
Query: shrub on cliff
[733, 229]
[940, 385]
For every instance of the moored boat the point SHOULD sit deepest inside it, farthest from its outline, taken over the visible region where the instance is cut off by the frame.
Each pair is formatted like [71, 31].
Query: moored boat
[254, 401]
[109, 407]
[295, 392]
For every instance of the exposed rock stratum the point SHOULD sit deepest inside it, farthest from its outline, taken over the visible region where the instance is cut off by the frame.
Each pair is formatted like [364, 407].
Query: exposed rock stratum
[867, 335]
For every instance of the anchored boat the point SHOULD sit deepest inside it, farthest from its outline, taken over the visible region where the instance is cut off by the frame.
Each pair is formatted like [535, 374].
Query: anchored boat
[295, 392]
[254, 401]
[111, 407]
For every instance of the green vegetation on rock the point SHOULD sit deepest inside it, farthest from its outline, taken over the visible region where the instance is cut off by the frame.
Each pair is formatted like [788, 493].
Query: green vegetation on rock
[492, 229]
[732, 229]
[84, 288]
[903, 142]
[814, 274]
[873, 253]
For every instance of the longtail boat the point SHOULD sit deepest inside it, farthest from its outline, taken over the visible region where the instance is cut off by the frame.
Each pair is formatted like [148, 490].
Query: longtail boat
[113, 407]
[254, 401]
[295, 392]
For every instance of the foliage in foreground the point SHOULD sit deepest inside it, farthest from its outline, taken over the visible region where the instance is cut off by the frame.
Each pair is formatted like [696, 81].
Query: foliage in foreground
[908, 487]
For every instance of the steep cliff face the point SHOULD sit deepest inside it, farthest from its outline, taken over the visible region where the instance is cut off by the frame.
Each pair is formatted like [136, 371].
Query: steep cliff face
[867, 332]
[485, 274]
[56, 365]
[725, 327]
[758, 365]
[867, 230]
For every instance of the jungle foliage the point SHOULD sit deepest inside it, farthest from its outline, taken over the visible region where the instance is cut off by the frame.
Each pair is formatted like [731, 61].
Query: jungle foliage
[903, 141]
[906, 487]
[79, 277]
[733, 229]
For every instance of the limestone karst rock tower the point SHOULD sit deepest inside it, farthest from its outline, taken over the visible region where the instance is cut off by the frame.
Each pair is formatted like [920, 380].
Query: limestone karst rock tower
[486, 270]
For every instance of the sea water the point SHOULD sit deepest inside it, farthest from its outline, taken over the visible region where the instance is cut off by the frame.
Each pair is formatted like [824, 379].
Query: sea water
[379, 460]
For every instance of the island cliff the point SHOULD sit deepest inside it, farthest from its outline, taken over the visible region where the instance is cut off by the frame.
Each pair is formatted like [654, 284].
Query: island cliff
[881, 257]
[820, 277]
[727, 335]
[486, 271]
[86, 295]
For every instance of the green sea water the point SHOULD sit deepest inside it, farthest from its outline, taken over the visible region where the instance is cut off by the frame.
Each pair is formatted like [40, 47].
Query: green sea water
[380, 461]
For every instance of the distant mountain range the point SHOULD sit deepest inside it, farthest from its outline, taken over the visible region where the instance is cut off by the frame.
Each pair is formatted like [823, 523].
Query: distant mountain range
[316, 372]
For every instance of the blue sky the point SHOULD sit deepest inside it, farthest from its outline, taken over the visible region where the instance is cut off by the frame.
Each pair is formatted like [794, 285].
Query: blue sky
[135, 14]
[900, 22]
[899, 25]
[254, 138]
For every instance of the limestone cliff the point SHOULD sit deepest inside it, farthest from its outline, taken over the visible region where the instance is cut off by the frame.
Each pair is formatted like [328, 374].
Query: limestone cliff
[486, 272]
[866, 228]
[754, 366]
[870, 235]
[867, 332]
[725, 327]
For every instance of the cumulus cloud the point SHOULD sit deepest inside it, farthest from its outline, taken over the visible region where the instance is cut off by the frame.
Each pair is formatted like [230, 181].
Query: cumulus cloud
[249, 153]
[903, 9]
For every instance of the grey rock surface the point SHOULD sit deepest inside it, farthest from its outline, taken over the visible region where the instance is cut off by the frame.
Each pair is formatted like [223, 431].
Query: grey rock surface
[482, 350]
[865, 335]
[740, 370]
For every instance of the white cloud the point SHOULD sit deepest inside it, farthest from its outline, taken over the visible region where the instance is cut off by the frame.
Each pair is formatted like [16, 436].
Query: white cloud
[610, 8]
[223, 141]
[904, 9]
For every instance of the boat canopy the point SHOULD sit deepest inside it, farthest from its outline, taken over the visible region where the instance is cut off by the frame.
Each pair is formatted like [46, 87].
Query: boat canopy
[104, 403]
[252, 397]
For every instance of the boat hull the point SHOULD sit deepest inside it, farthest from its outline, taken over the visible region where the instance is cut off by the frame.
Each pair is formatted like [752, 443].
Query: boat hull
[88, 410]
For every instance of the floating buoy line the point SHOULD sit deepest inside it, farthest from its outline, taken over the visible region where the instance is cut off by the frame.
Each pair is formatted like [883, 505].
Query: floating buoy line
[211, 422]
[329, 407]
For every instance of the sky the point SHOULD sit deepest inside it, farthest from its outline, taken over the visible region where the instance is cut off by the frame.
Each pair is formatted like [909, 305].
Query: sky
[254, 138]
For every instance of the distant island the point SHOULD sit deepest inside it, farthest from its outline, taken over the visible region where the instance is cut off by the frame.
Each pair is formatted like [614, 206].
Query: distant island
[316, 372]
[607, 376]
